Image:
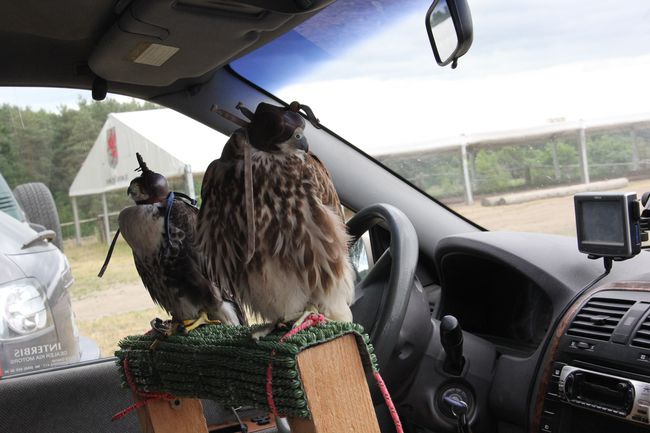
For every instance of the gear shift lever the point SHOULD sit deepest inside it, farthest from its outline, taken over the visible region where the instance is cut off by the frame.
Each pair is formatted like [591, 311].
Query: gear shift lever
[451, 338]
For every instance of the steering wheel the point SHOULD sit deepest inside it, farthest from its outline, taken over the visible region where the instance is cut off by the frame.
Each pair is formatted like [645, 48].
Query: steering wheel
[382, 297]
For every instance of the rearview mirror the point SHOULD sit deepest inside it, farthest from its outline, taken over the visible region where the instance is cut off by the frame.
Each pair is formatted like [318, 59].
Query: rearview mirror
[449, 26]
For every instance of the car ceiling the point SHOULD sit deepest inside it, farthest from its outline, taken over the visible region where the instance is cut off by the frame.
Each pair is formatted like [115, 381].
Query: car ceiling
[70, 43]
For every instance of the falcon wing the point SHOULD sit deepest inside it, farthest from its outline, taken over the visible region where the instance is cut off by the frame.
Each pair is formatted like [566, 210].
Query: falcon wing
[182, 265]
[142, 227]
[323, 180]
[219, 216]
[151, 279]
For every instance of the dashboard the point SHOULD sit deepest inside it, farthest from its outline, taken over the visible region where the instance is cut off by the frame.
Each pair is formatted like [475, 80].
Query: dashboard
[496, 302]
[519, 299]
[596, 375]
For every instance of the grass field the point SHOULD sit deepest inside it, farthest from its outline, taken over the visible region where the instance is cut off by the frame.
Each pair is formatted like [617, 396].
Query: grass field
[86, 261]
[111, 307]
[106, 331]
[117, 305]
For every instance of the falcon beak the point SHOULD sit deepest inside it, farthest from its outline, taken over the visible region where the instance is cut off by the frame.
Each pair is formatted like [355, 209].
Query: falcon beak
[303, 144]
[129, 191]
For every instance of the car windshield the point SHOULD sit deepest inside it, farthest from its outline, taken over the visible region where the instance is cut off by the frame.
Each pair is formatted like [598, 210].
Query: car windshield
[551, 99]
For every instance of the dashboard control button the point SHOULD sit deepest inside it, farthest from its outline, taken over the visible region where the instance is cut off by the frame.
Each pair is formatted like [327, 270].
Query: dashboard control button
[548, 424]
[557, 369]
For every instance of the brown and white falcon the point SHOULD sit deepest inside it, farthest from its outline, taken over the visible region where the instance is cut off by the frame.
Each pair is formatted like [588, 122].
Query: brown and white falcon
[161, 231]
[283, 250]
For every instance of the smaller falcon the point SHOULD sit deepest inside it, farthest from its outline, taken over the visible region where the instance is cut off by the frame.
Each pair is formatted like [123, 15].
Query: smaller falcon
[161, 231]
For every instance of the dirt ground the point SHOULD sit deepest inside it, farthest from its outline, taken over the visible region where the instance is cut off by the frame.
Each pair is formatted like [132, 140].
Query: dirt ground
[116, 300]
[552, 215]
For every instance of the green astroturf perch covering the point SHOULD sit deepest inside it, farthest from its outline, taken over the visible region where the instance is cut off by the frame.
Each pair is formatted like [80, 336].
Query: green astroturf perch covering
[224, 363]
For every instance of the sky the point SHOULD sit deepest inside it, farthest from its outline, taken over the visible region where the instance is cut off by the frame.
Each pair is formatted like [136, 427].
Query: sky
[49, 99]
[531, 61]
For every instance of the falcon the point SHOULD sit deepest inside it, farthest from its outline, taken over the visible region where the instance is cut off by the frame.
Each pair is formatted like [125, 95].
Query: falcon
[271, 227]
[161, 231]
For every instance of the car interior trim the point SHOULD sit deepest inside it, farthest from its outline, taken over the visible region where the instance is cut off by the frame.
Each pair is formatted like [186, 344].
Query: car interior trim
[560, 331]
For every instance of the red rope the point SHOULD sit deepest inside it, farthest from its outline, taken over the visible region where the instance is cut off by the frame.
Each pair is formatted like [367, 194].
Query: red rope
[269, 386]
[311, 320]
[389, 402]
[316, 319]
[145, 395]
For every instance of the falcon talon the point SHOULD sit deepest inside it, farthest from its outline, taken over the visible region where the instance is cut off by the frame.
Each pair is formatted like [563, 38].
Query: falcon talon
[181, 329]
[263, 332]
[203, 319]
[154, 345]
[310, 311]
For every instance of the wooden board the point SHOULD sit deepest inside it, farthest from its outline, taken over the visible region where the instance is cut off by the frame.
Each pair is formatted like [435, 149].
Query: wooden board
[183, 415]
[336, 389]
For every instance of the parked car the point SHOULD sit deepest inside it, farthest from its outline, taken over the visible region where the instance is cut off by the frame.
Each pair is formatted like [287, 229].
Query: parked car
[37, 325]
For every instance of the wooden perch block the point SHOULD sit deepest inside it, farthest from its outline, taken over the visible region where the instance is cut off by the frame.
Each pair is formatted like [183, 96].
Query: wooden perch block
[183, 415]
[337, 392]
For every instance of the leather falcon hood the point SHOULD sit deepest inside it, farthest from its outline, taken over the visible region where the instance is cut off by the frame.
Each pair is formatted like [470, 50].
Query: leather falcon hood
[272, 125]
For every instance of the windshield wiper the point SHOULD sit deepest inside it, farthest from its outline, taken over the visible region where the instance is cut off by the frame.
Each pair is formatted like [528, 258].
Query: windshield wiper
[45, 235]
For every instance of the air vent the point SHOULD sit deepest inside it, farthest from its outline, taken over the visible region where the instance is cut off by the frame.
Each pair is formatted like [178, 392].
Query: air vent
[642, 336]
[599, 318]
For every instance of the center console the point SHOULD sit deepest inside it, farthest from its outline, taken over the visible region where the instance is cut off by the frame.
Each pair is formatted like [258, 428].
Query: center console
[597, 377]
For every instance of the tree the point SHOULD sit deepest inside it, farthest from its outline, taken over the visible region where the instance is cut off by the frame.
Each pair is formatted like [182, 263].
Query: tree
[50, 147]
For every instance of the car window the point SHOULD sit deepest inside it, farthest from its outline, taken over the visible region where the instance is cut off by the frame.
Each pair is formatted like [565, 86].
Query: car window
[545, 102]
[65, 163]
[360, 251]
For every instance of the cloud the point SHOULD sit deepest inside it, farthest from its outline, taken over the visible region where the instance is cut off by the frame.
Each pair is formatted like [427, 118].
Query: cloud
[531, 61]
[535, 33]
[509, 36]
[378, 113]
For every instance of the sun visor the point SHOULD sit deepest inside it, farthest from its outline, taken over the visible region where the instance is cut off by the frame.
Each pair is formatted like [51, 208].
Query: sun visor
[156, 43]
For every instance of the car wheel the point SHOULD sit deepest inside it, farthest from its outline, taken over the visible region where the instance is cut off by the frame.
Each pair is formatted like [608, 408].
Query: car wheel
[38, 204]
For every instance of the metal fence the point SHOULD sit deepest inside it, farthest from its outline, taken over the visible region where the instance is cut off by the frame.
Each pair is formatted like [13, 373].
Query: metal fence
[535, 159]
